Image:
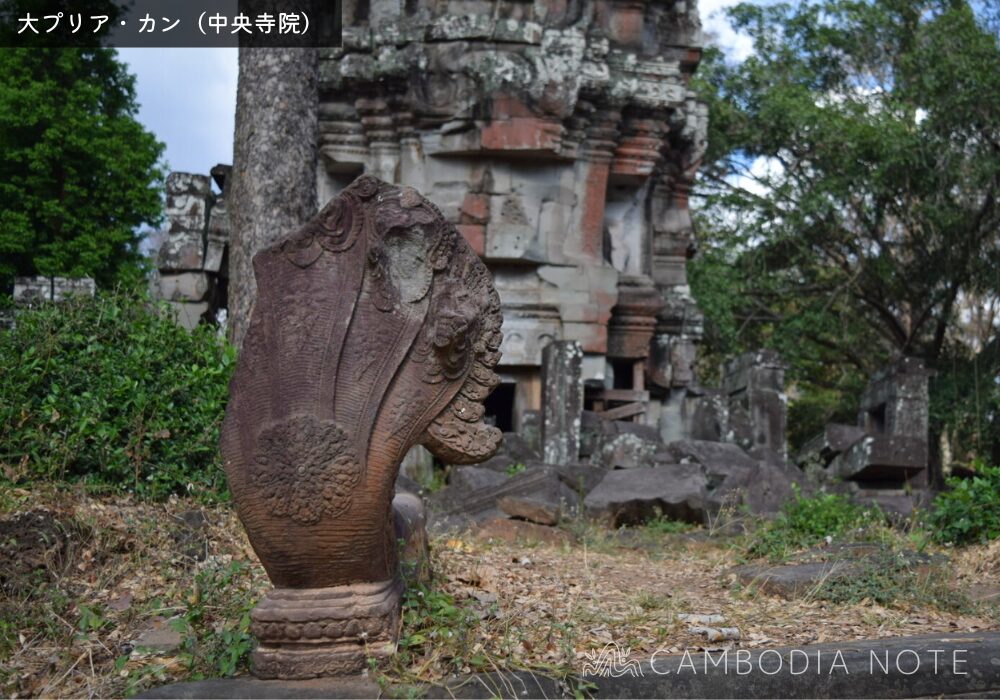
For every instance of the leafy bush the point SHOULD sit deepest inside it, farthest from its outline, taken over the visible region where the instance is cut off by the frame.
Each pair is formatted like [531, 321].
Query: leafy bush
[970, 510]
[110, 391]
[805, 522]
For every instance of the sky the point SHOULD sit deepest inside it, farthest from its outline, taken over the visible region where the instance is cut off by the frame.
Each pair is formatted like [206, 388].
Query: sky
[187, 97]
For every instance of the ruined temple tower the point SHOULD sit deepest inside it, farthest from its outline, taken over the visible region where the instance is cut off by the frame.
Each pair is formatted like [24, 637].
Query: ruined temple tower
[562, 138]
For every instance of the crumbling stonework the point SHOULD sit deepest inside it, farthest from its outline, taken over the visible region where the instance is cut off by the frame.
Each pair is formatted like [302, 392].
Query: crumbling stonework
[30, 290]
[561, 138]
[193, 257]
[886, 455]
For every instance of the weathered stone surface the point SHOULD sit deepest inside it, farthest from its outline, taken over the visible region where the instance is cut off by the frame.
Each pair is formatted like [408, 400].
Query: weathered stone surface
[631, 496]
[627, 450]
[514, 453]
[188, 314]
[599, 438]
[182, 250]
[895, 401]
[707, 453]
[898, 504]
[561, 139]
[521, 532]
[762, 482]
[474, 494]
[882, 458]
[160, 637]
[545, 506]
[810, 570]
[580, 477]
[379, 282]
[835, 438]
[186, 286]
[29, 290]
[179, 184]
[562, 401]
[758, 407]
[410, 523]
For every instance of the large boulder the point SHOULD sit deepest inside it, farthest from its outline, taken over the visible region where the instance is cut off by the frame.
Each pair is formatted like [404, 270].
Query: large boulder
[632, 496]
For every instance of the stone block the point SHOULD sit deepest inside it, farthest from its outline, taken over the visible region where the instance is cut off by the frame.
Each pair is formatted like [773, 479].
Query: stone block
[633, 496]
[185, 286]
[627, 450]
[526, 332]
[189, 184]
[835, 438]
[882, 458]
[181, 251]
[215, 254]
[531, 429]
[68, 287]
[30, 290]
[186, 212]
[545, 506]
[218, 219]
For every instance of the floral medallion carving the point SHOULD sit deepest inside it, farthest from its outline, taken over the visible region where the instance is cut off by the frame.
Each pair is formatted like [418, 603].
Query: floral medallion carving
[306, 469]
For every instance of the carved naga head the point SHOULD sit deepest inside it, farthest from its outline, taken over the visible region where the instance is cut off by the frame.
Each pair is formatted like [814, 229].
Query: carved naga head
[375, 328]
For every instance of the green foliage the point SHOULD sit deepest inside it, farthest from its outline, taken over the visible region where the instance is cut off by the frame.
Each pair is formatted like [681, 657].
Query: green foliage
[805, 522]
[850, 190]
[965, 406]
[893, 577]
[216, 625]
[110, 391]
[662, 525]
[515, 468]
[970, 510]
[434, 624]
[79, 174]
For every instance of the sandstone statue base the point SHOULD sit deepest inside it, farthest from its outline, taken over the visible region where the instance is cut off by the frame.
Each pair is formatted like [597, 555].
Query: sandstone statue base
[316, 632]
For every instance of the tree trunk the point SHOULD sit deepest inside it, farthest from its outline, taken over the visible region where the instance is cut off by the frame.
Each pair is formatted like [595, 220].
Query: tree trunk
[274, 163]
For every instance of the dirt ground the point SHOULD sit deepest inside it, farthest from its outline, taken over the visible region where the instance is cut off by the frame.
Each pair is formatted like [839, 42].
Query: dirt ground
[85, 577]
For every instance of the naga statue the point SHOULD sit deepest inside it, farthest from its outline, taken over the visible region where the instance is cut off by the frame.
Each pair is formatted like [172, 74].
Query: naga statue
[376, 328]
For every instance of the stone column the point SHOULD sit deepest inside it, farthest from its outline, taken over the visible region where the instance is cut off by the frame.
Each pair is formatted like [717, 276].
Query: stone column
[562, 401]
[758, 407]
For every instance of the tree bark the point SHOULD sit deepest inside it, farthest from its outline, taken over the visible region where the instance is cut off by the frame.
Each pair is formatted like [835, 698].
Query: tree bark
[274, 163]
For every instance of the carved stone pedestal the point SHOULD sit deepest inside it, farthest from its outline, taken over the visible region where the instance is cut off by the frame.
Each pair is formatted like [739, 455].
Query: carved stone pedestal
[316, 632]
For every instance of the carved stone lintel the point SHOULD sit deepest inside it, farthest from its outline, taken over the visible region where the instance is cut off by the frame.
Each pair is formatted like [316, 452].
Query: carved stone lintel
[311, 633]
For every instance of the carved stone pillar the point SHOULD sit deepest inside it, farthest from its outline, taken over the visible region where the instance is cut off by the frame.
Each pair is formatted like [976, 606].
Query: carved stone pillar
[562, 401]
[376, 328]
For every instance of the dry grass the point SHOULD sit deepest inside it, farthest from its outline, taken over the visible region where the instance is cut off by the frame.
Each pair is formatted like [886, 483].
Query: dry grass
[67, 629]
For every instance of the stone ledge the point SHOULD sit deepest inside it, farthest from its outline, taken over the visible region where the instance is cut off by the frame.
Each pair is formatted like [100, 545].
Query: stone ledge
[849, 675]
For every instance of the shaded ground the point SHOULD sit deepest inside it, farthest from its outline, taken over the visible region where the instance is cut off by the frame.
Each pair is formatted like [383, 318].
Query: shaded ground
[89, 577]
